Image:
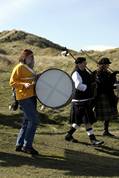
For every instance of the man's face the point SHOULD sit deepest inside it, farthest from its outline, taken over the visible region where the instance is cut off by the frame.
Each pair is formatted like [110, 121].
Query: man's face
[104, 66]
[30, 60]
[82, 65]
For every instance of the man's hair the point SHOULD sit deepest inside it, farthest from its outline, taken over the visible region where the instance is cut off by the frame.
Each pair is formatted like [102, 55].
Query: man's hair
[79, 60]
[24, 54]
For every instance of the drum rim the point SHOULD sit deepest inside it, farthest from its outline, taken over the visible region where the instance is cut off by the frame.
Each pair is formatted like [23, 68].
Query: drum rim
[68, 101]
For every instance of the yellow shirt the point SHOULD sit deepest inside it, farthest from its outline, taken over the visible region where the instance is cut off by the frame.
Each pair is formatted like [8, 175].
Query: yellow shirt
[22, 74]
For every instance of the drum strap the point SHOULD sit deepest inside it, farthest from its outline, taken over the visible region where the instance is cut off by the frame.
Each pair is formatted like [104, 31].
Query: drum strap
[82, 100]
[31, 70]
[29, 78]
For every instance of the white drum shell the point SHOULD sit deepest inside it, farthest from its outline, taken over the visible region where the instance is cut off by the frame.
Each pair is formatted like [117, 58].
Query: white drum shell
[54, 88]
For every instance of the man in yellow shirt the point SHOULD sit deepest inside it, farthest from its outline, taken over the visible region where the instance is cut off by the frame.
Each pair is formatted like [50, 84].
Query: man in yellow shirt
[23, 81]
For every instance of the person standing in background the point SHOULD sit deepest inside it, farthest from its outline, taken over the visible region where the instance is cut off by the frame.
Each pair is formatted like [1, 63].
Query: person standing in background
[106, 100]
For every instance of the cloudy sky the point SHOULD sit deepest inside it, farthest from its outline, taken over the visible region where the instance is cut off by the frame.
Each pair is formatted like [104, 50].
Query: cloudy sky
[76, 24]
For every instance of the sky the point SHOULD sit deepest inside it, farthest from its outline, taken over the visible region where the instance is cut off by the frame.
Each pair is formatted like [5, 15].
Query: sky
[76, 24]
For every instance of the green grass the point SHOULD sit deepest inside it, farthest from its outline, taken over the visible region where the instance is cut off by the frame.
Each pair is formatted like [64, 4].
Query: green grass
[57, 158]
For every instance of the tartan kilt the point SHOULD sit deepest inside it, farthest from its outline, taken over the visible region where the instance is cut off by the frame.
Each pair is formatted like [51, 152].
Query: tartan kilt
[103, 109]
[82, 113]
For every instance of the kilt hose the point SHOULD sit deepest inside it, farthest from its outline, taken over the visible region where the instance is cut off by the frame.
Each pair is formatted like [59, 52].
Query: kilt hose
[82, 112]
[103, 109]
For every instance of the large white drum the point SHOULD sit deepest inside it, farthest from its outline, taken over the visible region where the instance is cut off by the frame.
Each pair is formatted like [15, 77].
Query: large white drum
[54, 88]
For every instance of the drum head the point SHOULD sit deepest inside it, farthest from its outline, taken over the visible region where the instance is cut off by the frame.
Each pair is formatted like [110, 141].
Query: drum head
[54, 88]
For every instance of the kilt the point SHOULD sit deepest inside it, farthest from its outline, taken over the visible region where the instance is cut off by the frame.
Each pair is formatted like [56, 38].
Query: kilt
[82, 112]
[103, 109]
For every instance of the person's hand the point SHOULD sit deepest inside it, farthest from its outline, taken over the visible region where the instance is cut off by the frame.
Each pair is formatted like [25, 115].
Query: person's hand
[27, 85]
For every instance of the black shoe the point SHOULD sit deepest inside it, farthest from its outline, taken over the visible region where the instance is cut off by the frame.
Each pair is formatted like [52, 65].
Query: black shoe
[31, 151]
[18, 148]
[108, 134]
[70, 138]
[96, 142]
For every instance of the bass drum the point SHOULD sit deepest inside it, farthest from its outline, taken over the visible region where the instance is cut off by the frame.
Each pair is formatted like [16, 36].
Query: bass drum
[54, 88]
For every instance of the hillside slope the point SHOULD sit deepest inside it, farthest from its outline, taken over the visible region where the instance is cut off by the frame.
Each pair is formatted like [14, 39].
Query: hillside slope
[14, 41]
[15, 35]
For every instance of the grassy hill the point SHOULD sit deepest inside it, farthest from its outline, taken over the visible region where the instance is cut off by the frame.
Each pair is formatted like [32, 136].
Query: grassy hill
[47, 53]
[57, 159]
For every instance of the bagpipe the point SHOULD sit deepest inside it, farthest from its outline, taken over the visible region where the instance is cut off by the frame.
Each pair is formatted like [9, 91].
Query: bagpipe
[114, 74]
[93, 84]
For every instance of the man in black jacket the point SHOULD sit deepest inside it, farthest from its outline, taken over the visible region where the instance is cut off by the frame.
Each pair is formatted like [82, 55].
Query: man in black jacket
[106, 100]
[82, 103]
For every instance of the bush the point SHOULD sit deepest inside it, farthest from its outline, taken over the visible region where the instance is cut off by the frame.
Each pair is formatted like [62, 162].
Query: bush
[2, 51]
